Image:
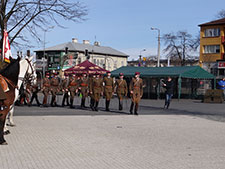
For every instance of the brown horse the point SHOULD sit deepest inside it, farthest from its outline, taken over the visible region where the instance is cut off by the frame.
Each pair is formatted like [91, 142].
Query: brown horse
[10, 74]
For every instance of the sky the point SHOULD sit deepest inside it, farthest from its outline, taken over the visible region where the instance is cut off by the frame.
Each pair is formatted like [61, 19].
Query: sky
[125, 25]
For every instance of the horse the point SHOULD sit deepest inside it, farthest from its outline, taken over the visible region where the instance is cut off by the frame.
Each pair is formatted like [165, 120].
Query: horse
[10, 75]
[26, 70]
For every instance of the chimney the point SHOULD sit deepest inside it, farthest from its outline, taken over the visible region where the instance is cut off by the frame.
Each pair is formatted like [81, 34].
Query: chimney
[97, 43]
[86, 42]
[74, 40]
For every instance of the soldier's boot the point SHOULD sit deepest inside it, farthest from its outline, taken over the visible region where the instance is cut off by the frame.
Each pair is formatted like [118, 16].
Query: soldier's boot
[107, 105]
[96, 106]
[120, 104]
[84, 103]
[52, 101]
[63, 101]
[45, 102]
[131, 107]
[136, 109]
[71, 103]
[92, 104]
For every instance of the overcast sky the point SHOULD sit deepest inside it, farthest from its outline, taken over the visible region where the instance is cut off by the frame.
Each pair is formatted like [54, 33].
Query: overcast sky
[125, 24]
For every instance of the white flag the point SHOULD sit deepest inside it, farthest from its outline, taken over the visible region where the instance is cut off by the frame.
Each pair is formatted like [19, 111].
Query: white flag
[6, 51]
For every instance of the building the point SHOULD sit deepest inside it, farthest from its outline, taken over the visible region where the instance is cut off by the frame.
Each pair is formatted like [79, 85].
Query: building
[75, 53]
[212, 45]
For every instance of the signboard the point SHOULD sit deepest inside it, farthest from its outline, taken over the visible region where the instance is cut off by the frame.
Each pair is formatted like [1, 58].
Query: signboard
[221, 65]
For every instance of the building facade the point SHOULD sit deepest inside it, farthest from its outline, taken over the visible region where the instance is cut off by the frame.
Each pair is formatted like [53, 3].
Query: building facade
[66, 55]
[212, 46]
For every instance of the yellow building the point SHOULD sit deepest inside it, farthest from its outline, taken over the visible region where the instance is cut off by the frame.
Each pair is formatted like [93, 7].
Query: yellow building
[212, 45]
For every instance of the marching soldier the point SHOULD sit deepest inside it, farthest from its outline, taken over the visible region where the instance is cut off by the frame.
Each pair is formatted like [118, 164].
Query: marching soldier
[91, 94]
[65, 84]
[54, 88]
[84, 81]
[96, 88]
[108, 89]
[73, 88]
[121, 89]
[46, 89]
[136, 92]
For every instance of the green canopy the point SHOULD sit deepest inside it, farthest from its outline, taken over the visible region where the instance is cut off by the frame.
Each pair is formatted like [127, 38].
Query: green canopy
[194, 72]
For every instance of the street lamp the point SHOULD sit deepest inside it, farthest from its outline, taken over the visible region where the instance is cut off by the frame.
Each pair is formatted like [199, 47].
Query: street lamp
[45, 30]
[158, 60]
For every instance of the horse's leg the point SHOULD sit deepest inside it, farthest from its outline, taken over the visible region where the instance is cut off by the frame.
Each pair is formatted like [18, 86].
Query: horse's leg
[2, 123]
[10, 117]
[6, 129]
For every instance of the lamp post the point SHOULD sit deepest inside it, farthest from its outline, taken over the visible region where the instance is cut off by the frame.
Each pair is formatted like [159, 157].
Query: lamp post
[44, 64]
[158, 60]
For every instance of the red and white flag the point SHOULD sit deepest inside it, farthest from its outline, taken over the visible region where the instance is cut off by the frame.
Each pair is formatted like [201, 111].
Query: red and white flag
[6, 51]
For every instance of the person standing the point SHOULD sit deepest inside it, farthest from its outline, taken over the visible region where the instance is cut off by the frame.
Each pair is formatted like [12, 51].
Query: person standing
[73, 88]
[91, 94]
[221, 85]
[96, 88]
[168, 85]
[54, 88]
[34, 90]
[121, 89]
[65, 84]
[46, 89]
[108, 89]
[84, 82]
[136, 92]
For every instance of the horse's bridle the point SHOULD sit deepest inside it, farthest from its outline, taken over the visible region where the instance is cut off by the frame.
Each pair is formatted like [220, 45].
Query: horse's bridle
[30, 65]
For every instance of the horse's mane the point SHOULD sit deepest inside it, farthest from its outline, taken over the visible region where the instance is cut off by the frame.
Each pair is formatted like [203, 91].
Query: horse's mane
[12, 70]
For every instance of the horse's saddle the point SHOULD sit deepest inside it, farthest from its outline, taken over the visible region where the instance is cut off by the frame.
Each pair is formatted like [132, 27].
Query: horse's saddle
[4, 84]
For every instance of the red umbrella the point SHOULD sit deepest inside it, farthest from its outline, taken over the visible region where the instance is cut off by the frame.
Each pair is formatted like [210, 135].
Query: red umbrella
[85, 67]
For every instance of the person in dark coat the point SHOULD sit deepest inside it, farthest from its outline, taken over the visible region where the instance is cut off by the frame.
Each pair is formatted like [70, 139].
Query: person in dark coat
[35, 89]
[169, 86]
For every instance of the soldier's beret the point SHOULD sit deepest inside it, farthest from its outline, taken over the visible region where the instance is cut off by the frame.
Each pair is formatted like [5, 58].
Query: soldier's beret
[137, 73]
[47, 74]
[120, 74]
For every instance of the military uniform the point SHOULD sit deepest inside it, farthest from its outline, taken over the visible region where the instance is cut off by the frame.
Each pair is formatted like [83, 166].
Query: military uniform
[108, 90]
[54, 89]
[136, 90]
[84, 87]
[34, 90]
[64, 86]
[91, 94]
[73, 88]
[96, 88]
[121, 90]
[46, 90]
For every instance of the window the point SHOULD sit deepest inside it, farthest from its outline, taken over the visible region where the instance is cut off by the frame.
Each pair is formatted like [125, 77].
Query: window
[212, 49]
[97, 62]
[115, 65]
[212, 32]
[122, 63]
[94, 61]
[101, 62]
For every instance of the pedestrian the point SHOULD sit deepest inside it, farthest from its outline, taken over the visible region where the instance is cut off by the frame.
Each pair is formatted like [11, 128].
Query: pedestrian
[97, 90]
[136, 92]
[65, 91]
[91, 94]
[84, 88]
[55, 81]
[121, 89]
[34, 89]
[46, 89]
[168, 85]
[73, 88]
[221, 85]
[108, 89]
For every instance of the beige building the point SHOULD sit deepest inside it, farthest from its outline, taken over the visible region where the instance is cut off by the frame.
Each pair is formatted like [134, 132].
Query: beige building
[103, 56]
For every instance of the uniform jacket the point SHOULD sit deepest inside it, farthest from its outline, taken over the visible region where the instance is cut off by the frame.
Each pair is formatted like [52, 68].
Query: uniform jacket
[136, 85]
[109, 84]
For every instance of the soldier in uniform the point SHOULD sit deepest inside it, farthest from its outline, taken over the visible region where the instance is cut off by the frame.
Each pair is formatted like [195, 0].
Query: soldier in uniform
[96, 88]
[84, 82]
[121, 89]
[73, 88]
[136, 92]
[91, 94]
[54, 88]
[65, 84]
[46, 89]
[34, 90]
[108, 89]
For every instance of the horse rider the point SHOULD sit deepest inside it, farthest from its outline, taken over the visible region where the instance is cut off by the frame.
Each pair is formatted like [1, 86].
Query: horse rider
[73, 88]
[108, 89]
[96, 89]
[46, 89]
[91, 94]
[54, 88]
[136, 92]
[2, 98]
[64, 86]
[121, 89]
[84, 87]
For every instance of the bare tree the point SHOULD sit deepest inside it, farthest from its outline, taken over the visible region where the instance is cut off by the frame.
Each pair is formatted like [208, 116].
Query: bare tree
[179, 45]
[24, 18]
[221, 14]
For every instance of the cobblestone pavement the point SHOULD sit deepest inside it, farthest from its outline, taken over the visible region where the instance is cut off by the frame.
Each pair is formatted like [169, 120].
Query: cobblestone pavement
[191, 135]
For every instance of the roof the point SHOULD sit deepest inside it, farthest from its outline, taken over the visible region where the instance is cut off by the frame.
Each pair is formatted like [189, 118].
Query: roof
[72, 46]
[195, 72]
[85, 67]
[215, 22]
